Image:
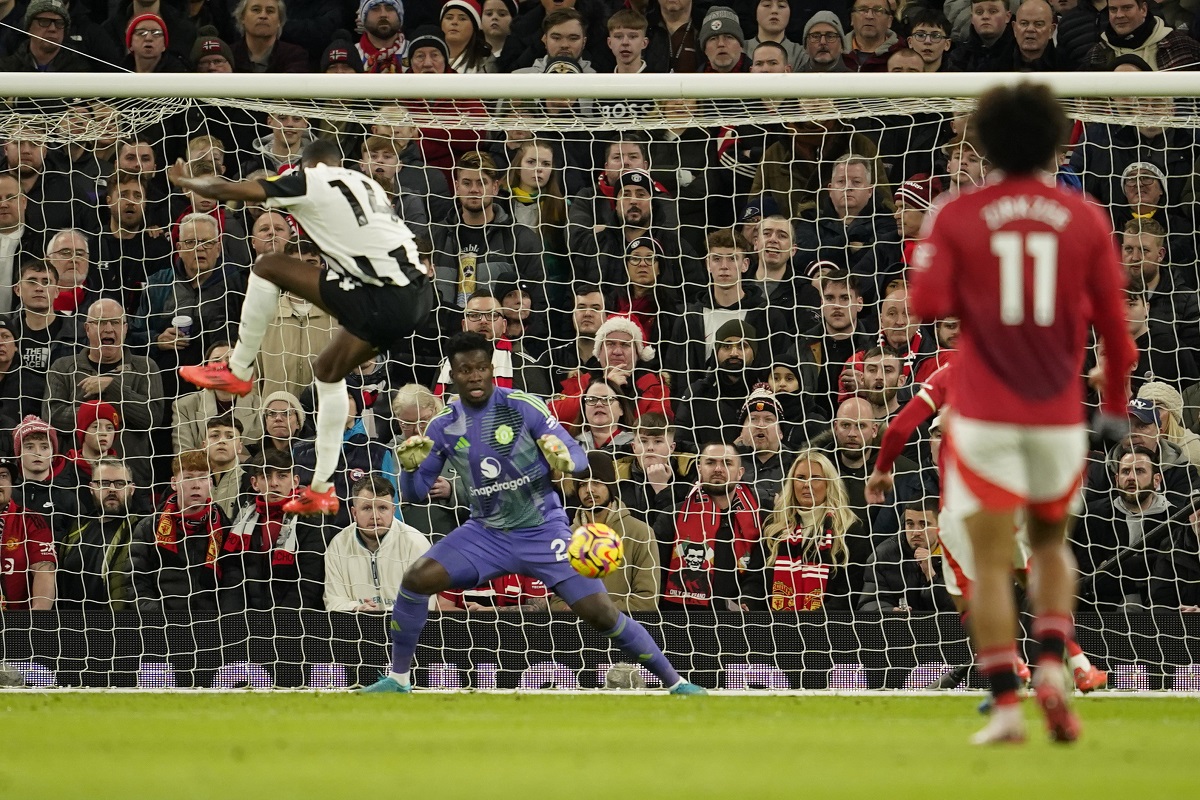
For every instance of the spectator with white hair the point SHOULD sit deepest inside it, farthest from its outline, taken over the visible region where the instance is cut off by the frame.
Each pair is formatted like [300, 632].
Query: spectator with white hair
[413, 406]
[69, 252]
[626, 363]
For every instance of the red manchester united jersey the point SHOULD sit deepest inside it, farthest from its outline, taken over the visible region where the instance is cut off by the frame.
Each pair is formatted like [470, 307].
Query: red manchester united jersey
[1027, 268]
[25, 540]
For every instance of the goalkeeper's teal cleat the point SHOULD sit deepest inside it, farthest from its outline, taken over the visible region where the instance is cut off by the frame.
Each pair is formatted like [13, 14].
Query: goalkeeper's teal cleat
[386, 685]
[686, 688]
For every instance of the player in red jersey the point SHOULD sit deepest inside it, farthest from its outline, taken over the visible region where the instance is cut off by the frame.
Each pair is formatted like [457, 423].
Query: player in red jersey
[933, 397]
[1027, 268]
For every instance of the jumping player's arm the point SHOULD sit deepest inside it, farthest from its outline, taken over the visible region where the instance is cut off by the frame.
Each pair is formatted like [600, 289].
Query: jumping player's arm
[551, 436]
[215, 187]
[1108, 318]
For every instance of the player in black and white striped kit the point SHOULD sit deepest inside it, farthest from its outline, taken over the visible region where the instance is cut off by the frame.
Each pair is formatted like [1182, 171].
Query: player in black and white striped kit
[374, 284]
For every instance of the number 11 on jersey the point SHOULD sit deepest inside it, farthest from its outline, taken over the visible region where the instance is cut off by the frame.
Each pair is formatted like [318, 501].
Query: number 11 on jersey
[1011, 248]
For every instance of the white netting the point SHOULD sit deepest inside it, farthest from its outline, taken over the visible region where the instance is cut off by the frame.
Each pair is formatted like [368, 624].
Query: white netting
[243, 601]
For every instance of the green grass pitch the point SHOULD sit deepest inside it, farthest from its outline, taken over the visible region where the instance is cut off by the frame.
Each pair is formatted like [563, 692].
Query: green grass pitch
[486, 747]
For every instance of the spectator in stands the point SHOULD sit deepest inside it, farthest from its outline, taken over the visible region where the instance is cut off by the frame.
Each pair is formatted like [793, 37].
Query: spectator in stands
[1172, 298]
[624, 362]
[673, 27]
[498, 16]
[905, 60]
[775, 250]
[722, 41]
[871, 39]
[234, 250]
[711, 408]
[814, 548]
[408, 188]
[606, 419]
[552, 30]
[1144, 191]
[15, 404]
[107, 370]
[462, 28]
[146, 43]
[773, 17]
[930, 38]
[853, 217]
[568, 359]
[211, 53]
[42, 51]
[17, 240]
[593, 203]
[838, 335]
[46, 486]
[882, 377]
[538, 201]
[484, 316]
[382, 47]
[823, 37]
[270, 233]
[413, 406]
[627, 41]
[790, 172]
[96, 434]
[200, 287]
[43, 335]
[729, 298]
[175, 550]
[27, 580]
[646, 297]
[367, 558]
[281, 147]
[990, 44]
[129, 249]
[1034, 28]
[55, 199]
[633, 586]
[965, 166]
[223, 446]
[271, 560]
[913, 199]
[1170, 416]
[1179, 477]
[904, 575]
[1135, 521]
[1079, 26]
[175, 24]
[855, 431]
[68, 252]
[715, 540]
[442, 148]
[761, 443]
[94, 568]
[192, 411]
[1133, 30]
[769, 58]
[340, 57]
[298, 333]
[655, 480]
[260, 49]
[282, 420]
[525, 330]
[1175, 574]
[1159, 353]
[479, 240]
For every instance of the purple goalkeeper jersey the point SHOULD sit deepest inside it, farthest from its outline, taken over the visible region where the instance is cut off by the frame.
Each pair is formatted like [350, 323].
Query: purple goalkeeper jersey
[494, 449]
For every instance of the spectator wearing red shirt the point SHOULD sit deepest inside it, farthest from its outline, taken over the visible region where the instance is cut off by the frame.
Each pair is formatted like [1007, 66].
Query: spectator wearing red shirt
[27, 580]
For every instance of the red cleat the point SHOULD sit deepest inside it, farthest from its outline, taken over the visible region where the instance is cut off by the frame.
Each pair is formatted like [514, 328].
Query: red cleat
[1022, 670]
[1061, 722]
[308, 502]
[217, 377]
[1090, 679]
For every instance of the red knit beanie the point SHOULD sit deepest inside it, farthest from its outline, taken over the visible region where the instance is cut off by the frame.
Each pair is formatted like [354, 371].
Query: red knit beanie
[91, 411]
[142, 18]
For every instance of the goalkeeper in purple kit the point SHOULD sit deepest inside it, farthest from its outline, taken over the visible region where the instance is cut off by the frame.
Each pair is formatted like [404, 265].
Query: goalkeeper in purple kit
[504, 443]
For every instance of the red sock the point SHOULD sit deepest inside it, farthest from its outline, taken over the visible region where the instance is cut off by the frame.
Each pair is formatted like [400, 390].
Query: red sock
[997, 664]
[1073, 648]
[1053, 631]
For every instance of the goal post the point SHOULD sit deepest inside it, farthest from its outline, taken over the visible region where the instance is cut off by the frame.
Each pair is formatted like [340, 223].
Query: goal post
[724, 153]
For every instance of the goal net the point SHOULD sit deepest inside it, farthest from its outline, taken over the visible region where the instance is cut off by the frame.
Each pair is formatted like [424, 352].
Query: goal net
[702, 276]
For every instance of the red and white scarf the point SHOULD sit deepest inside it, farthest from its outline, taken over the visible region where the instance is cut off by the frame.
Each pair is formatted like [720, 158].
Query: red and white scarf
[697, 523]
[798, 580]
[173, 525]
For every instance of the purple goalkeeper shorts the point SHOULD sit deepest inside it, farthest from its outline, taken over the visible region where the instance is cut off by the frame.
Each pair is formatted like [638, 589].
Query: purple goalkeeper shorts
[473, 554]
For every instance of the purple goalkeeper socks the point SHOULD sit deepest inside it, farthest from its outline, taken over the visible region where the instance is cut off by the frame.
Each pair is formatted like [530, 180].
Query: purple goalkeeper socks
[408, 620]
[636, 641]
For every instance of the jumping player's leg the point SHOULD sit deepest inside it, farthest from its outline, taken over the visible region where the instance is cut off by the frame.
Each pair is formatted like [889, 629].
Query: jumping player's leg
[270, 274]
[335, 362]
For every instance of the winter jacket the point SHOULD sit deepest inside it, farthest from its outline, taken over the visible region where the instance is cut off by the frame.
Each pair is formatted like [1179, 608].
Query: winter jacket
[94, 567]
[1163, 47]
[1078, 32]
[975, 56]
[353, 574]
[634, 586]
[284, 57]
[300, 331]
[869, 244]
[510, 247]
[288, 574]
[874, 61]
[183, 580]
[895, 579]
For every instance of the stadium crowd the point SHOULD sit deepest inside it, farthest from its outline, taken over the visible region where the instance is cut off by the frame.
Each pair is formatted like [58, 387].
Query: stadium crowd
[718, 313]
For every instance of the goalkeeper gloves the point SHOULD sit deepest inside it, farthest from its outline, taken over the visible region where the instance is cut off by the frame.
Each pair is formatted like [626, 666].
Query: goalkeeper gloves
[412, 451]
[556, 453]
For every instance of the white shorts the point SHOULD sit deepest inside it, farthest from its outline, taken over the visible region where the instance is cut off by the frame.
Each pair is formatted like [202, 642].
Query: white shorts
[998, 467]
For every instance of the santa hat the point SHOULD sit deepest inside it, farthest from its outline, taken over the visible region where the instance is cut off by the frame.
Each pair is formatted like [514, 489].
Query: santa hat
[918, 191]
[91, 411]
[472, 8]
[156, 19]
[624, 324]
[34, 424]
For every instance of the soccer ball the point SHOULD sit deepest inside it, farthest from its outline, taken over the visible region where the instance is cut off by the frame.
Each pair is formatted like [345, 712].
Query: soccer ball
[595, 550]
